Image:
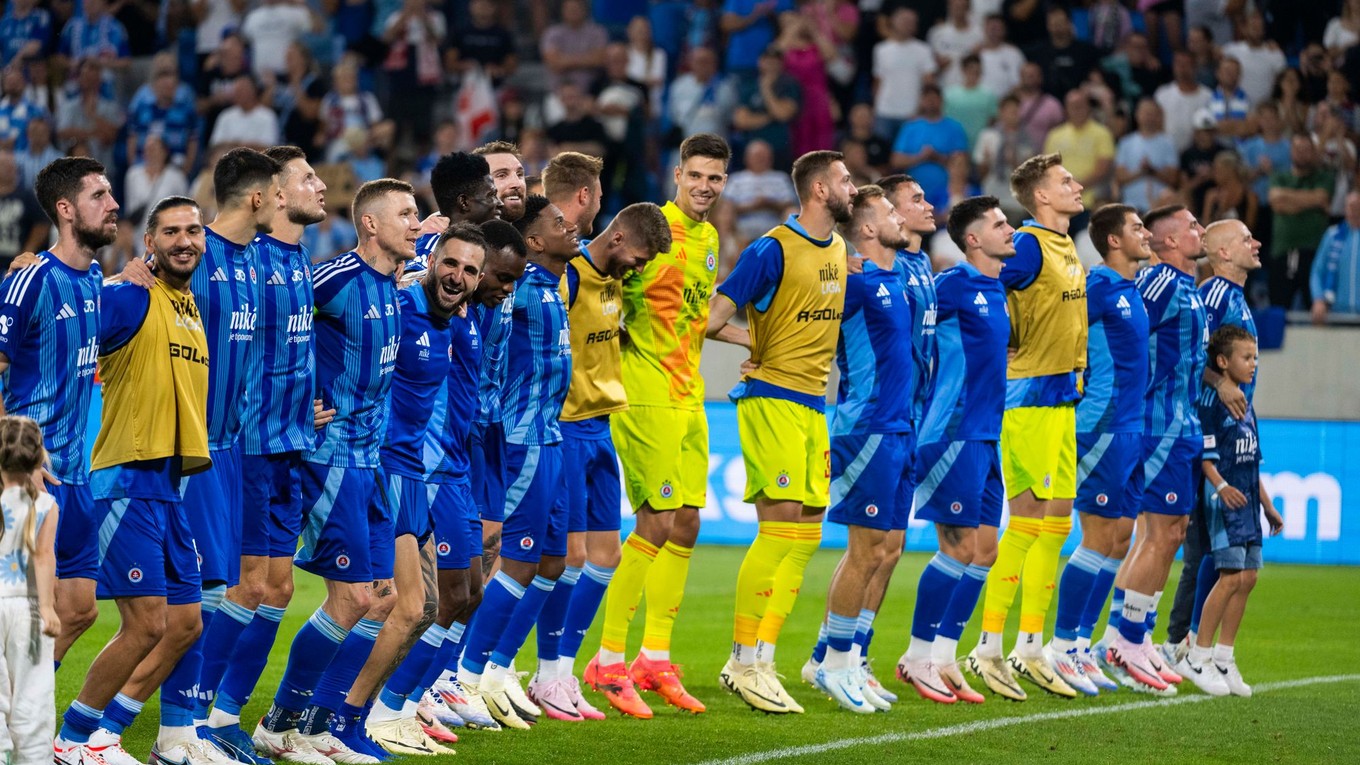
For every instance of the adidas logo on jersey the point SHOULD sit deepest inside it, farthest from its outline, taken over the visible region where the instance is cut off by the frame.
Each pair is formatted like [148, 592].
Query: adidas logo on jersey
[1123, 302]
[981, 302]
[1125, 310]
[424, 340]
[66, 312]
[276, 280]
[373, 313]
[912, 282]
[218, 276]
[883, 291]
[549, 296]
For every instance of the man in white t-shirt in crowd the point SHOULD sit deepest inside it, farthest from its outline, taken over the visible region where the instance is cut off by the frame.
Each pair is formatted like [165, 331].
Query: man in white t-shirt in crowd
[247, 122]
[1180, 99]
[953, 39]
[898, 95]
[1001, 61]
[757, 199]
[1261, 59]
[272, 27]
[1147, 164]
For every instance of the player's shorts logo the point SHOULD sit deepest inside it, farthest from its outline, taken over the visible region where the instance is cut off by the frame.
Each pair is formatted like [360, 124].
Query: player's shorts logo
[871, 511]
[342, 561]
[135, 575]
[712, 261]
[1171, 497]
[667, 490]
[526, 543]
[782, 480]
[443, 549]
[1102, 499]
[955, 507]
[1048, 480]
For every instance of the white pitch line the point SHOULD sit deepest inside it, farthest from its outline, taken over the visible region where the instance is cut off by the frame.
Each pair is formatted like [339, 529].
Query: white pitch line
[1004, 722]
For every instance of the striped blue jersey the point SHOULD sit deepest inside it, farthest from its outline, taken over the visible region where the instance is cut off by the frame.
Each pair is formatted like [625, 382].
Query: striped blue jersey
[1116, 372]
[1226, 303]
[493, 324]
[538, 360]
[419, 402]
[1234, 447]
[421, 263]
[358, 333]
[226, 288]
[973, 330]
[49, 332]
[1178, 330]
[281, 364]
[464, 377]
[877, 369]
[920, 289]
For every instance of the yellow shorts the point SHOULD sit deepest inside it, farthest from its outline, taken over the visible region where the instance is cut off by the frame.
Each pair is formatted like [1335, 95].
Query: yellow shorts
[1039, 451]
[664, 452]
[787, 451]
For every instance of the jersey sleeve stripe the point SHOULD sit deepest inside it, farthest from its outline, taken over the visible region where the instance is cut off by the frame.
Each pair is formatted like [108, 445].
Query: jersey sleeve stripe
[19, 287]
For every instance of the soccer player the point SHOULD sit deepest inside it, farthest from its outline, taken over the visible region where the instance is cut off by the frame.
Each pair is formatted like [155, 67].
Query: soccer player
[226, 288]
[537, 373]
[872, 443]
[49, 338]
[793, 279]
[1109, 440]
[507, 173]
[278, 423]
[958, 467]
[571, 181]
[154, 363]
[1178, 329]
[1046, 290]
[662, 439]
[1232, 254]
[590, 471]
[349, 531]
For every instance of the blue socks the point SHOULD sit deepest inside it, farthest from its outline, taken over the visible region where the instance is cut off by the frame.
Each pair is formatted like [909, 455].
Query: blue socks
[445, 656]
[1100, 590]
[864, 630]
[819, 650]
[79, 722]
[553, 616]
[840, 632]
[936, 588]
[409, 673]
[962, 602]
[339, 676]
[1116, 616]
[586, 598]
[503, 595]
[313, 649]
[522, 620]
[1204, 584]
[249, 655]
[1074, 590]
[120, 713]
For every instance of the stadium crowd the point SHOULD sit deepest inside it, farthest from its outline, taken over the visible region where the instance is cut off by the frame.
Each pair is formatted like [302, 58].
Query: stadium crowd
[427, 405]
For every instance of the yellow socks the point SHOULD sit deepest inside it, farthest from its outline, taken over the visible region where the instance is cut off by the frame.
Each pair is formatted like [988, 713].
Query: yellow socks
[625, 590]
[1004, 578]
[665, 589]
[1041, 572]
[755, 580]
[788, 579]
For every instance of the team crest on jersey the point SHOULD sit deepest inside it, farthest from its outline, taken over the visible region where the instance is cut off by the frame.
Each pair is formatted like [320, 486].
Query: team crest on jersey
[527, 543]
[871, 511]
[666, 490]
[135, 575]
[342, 561]
[252, 274]
[443, 549]
[5, 323]
[1048, 480]
[712, 261]
[1102, 499]
[956, 507]
[1171, 497]
[782, 480]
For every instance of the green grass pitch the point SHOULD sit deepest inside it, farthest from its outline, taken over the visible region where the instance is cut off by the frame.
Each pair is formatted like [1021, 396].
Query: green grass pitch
[1301, 626]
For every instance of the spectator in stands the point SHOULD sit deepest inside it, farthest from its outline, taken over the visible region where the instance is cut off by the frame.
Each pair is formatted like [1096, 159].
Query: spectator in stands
[1215, 16]
[806, 53]
[876, 148]
[272, 27]
[1110, 25]
[574, 49]
[621, 105]
[90, 117]
[412, 69]
[345, 106]
[1342, 31]
[999, 150]
[952, 40]
[646, 62]
[902, 65]
[1339, 92]
[926, 145]
[215, 80]
[1087, 149]
[1261, 59]
[24, 33]
[484, 41]
[357, 153]
[39, 153]
[750, 27]
[1163, 17]
[1228, 196]
[1146, 162]
[1039, 111]
[701, 100]
[1229, 102]
[1197, 161]
[144, 20]
[247, 122]
[167, 111]
[1299, 198]
[838, 20]
[96, 34]
[970, 104]
[1140, 71]
[15, 109]
[1181, 98]
[1067, 61]
[23, 227]
[1001, 61]
[1335, 278]
[1200, 45]
[445, 142]
[1294, 105]
[1263, 155]
[1337, 152]
[149, 181]
[702, 26]
[1026, 21]
[214, 20]
[757, 198]
[1313, 69]
[296, 98]
[577, 129]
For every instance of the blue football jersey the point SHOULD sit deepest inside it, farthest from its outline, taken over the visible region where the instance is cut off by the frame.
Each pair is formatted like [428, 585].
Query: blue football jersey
[1235, 449]
[973, 330]
[919, 278]
[281, 364]
[226, 288]
[493, 324]
[873, 354]
[421, 263]
[1226, 303]
[1116, 373]
[419, 383]
[49, 331]
[1178, 341]
[464, 377]
[538, 360]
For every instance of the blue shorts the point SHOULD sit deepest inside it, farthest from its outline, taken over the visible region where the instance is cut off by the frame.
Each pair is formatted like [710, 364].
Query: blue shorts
[590, 478]
[77, 531]
[486, 451]
[413, 498]
[535, 510]
[958, 483]
[1108, 482]
[871, 480]
[1171, 471]
[212, 500]
[350, 534]
[147, 550]
[271, 504]
[455, 517]
[1238, 557]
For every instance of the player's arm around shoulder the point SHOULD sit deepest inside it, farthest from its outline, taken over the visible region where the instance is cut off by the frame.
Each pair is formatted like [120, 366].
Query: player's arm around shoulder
[1022, 269]
[752, 281]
